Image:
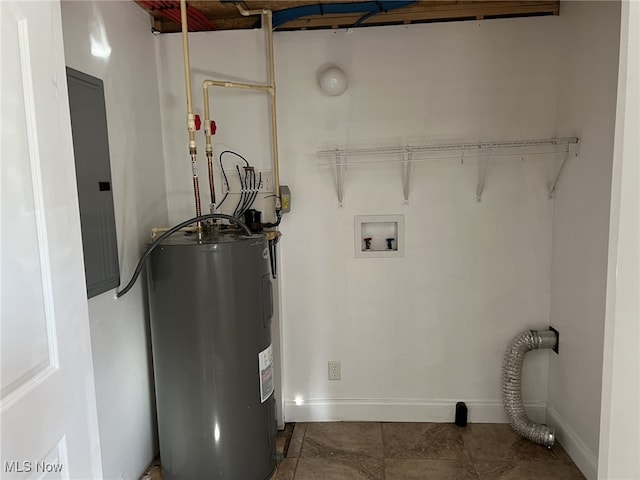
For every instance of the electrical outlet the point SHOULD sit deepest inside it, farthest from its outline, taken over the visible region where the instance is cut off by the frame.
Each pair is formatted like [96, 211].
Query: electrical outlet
[335, 372]
[267, 181]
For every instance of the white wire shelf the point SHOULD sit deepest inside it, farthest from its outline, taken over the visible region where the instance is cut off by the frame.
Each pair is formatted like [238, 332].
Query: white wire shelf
[407, 155]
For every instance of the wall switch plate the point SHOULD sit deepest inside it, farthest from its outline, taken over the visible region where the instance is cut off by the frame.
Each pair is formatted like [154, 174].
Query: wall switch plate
[335, 372]
[267, 181]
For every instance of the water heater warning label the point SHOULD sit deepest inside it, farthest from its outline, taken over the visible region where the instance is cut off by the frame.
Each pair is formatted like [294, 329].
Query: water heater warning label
[265, 362]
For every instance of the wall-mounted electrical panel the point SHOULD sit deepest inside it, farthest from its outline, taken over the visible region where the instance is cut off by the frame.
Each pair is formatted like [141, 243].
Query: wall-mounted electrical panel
[379, 236]
[93, 177]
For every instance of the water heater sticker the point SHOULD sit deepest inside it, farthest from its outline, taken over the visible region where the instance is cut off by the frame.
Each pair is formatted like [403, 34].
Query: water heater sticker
[265, 362]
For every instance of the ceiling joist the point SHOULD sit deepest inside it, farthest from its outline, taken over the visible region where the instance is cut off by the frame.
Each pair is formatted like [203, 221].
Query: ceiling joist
[214, 15]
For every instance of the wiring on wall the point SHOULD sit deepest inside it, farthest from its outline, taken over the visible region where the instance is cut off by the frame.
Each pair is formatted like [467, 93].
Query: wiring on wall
[250, 183]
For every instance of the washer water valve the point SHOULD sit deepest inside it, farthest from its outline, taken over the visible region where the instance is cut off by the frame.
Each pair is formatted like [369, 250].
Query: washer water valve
[367, 243]
[390, 243]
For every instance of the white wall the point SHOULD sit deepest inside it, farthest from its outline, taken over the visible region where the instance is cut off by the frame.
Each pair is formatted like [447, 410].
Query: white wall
[620, 421]
[241, 116]
[415, 334]
[588, 66]
[119, 331]
[474, 275]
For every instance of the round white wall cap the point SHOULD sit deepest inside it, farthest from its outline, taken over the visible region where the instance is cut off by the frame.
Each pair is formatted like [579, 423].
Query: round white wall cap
[333, 81]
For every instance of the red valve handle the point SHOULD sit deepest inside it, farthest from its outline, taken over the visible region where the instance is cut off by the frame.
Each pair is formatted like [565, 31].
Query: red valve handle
[197, 122]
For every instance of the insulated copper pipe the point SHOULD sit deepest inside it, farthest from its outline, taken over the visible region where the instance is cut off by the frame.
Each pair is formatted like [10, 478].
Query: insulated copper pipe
[267, 19]
[267, 25]
[191, 124]
[207, 121]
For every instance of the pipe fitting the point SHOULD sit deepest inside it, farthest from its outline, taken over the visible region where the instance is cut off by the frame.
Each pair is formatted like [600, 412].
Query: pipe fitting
[247, 13]
[512, 385]
[191, 122]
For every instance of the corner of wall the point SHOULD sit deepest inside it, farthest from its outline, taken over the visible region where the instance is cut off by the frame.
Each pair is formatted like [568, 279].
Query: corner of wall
[119, 328]
[586, 103]
[584, 458]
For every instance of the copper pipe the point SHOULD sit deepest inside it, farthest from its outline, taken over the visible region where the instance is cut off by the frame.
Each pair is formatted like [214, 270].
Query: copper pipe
[212, 187]
[196, 193]
[196, 189]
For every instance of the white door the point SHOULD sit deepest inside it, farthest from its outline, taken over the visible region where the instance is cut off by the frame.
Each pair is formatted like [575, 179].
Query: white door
[48, 417]
[618, 455]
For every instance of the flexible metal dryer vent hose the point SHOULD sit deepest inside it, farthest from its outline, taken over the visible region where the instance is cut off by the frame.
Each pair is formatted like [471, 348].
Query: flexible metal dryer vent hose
[512, 385]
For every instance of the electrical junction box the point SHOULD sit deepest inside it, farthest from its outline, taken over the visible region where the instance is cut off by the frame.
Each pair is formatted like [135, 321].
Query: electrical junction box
[285, 198]
[93, 178]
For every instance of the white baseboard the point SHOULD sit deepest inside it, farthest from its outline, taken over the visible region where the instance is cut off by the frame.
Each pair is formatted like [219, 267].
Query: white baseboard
[401, 410]
[582, 456]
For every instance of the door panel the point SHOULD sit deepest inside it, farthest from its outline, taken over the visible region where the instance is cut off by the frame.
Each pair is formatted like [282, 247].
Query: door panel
[26, 278]
[47, 399]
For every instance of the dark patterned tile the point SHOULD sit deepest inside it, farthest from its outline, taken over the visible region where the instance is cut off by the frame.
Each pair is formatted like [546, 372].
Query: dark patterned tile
[296, 440]
[423, 440]
[421, 469]
[492, 441]
[342, 439]
[354, 450]
[526, 470]
[351, 468]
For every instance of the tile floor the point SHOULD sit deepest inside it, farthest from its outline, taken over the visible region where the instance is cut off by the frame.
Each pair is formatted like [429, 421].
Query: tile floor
[412, 451]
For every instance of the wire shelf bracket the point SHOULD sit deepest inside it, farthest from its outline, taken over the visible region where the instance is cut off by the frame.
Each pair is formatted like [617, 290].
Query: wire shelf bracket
[406, 173]
[482, 174]
[572, 151]
[341, 166]
[408, 155]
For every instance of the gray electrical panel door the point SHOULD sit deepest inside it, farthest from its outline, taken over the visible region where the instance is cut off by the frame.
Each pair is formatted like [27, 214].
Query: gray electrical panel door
[93, 176]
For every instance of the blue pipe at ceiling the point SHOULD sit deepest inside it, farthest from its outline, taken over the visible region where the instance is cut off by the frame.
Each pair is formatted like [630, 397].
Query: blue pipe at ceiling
[366, 8]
